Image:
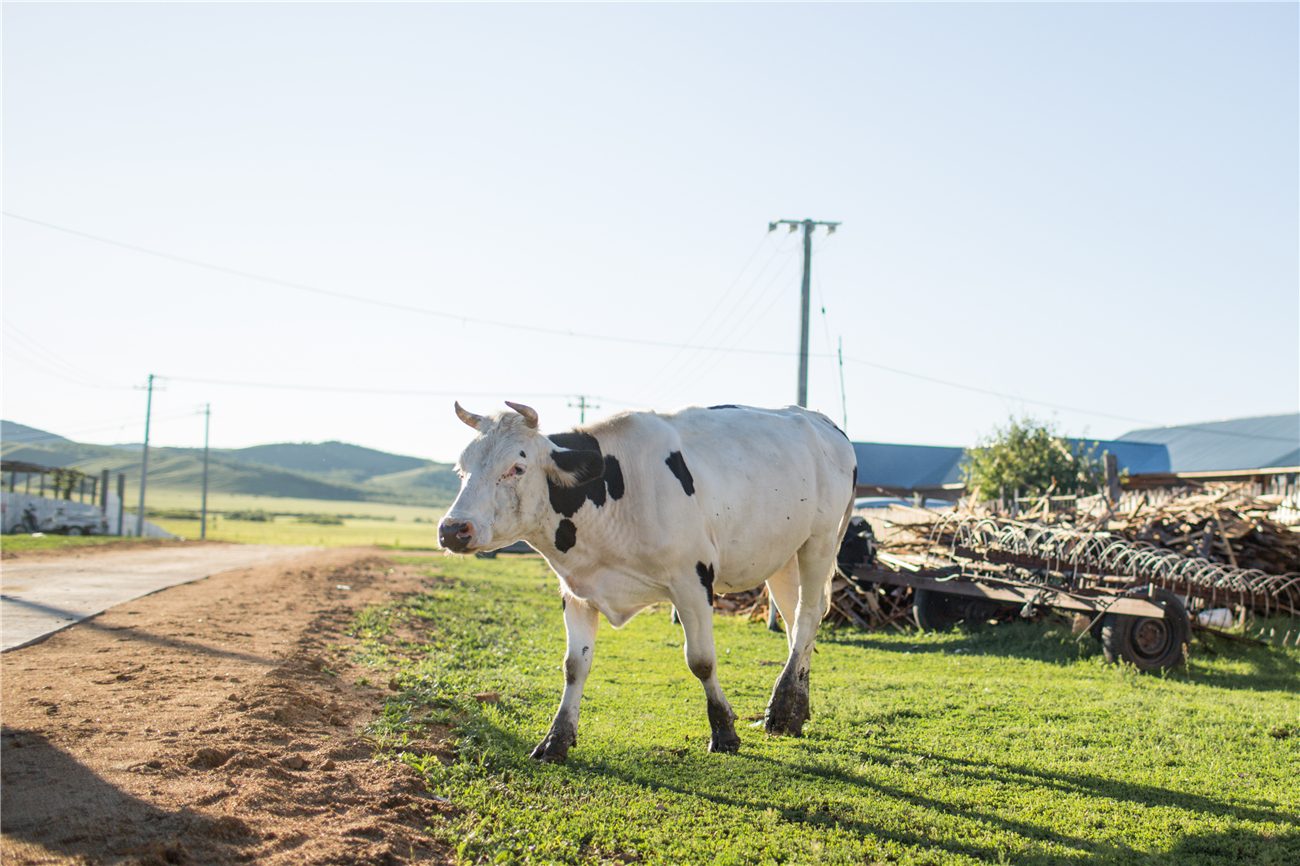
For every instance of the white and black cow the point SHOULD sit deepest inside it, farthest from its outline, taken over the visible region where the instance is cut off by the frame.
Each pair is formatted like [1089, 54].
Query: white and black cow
[647, 507]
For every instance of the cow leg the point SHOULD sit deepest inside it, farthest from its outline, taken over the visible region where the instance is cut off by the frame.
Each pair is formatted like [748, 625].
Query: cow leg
[696, 612]
[783, 594]
[788, 708]
[580, 621]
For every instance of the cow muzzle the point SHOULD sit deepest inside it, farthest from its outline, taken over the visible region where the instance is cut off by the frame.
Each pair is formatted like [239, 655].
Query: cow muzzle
[456, 535]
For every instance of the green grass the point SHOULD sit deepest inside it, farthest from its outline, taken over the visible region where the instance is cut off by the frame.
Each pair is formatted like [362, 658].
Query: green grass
[364, 523]
[290, 530]
[191, 500]
[1014, 744]
[51, 542]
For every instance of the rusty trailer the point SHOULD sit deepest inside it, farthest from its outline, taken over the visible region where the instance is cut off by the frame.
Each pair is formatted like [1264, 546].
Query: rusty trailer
[1137, 597]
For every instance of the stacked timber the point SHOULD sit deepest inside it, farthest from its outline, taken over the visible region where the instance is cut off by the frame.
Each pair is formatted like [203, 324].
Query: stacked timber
[1222, 524]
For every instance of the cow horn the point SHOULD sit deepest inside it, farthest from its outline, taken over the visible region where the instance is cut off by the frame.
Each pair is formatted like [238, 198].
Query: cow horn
[529, 413]
[468, 417]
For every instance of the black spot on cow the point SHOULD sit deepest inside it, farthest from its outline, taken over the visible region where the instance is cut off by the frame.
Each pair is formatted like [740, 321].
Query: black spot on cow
[566, 535]
[614, 477]
[706, 578]
[576, 440]
[725, 406]
[599, 477]
[855, 480]
[677, 464]
[522, 454]
[584, 466]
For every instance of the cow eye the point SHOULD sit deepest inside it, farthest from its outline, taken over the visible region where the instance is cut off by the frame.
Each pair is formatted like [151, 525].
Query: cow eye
[517, 469]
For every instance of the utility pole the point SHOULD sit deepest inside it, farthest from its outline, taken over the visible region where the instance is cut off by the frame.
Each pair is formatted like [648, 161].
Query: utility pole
[808, 226]
[207, 422]
[144, 461]
[582, 406]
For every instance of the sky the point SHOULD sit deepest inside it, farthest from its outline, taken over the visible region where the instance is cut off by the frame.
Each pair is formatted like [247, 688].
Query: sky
[330, 221]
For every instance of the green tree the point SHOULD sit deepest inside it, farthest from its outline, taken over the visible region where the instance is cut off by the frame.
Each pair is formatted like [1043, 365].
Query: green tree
[1029, 457]
[65, 481]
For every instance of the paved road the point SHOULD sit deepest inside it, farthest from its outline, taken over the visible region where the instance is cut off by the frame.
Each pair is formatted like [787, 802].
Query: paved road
[40, 597]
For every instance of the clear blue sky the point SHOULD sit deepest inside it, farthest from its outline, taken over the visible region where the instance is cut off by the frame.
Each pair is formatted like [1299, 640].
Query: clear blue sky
[1083, 212]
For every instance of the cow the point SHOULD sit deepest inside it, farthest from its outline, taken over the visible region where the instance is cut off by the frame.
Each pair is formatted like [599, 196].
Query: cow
[645, 507]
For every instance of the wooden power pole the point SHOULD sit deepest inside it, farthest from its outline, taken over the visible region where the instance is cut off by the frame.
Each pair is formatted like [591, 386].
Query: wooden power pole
[808, 226]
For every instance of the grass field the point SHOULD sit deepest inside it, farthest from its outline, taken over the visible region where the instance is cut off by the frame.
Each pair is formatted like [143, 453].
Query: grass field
[1011, 745]
[222, 502]
[399, 534]
[51, 542]
[364, 523]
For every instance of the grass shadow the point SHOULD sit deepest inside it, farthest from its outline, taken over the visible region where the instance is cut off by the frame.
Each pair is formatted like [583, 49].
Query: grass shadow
[1270, 669]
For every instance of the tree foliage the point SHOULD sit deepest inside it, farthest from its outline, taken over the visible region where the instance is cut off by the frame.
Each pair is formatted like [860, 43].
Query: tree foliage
[65, 481]
[1028, 457]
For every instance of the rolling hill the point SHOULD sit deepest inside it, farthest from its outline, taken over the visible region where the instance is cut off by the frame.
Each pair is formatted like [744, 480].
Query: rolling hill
[326, 470]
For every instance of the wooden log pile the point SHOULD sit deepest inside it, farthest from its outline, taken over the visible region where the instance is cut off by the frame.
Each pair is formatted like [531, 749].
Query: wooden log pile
[1220, 523]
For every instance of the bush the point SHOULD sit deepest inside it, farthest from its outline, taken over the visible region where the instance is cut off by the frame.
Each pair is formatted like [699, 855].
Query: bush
[255, 516]
[171, 514]
[322, 519]
[1028, 457]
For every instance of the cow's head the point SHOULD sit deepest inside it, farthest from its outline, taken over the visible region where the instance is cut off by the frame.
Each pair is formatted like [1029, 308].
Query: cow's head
[504, 473]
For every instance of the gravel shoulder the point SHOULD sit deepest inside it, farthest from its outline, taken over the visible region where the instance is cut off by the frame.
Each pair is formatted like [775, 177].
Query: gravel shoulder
[214, 722]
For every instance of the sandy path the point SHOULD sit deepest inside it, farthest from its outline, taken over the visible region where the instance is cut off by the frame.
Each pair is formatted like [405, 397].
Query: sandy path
[41, 596]
[215, 722]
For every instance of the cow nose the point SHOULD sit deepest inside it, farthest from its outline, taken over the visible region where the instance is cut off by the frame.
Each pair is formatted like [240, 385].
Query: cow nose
[456, 534]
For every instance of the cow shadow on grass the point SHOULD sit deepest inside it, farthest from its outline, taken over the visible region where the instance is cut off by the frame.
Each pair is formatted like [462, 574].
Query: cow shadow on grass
[743, 782]
[1270, 669]
[1254, 846]
[55, 803]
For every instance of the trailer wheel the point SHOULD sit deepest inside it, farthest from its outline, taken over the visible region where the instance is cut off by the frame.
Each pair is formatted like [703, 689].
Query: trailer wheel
[1149, 643]
[74, 530]
[935, 611]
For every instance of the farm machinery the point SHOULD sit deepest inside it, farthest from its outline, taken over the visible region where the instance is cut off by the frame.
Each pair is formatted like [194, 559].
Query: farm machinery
[1137, 598]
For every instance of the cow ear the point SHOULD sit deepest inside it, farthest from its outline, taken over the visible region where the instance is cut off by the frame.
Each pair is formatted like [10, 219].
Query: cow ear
[571, 468]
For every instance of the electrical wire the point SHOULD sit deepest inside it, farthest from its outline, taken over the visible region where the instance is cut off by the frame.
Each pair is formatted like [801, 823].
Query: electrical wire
[406, 308]
[976, 390]
[383, 391]
[681, 356]
[534, 329]
[51, 358]
[706, 355]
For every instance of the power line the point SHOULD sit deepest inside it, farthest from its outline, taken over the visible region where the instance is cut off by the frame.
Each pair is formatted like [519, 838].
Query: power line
[405, 308]
[50, 358]
[488, 322]
[994, 393]
[670, 367]
[382, 391]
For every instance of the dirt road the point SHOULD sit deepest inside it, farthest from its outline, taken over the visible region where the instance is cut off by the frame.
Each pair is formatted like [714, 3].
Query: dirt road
[40, 595]
[216, 722]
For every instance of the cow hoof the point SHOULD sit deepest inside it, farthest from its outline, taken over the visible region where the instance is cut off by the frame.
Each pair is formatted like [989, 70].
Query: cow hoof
[727, 745]
[554, 748]
[786, 720]
[789, 728]
[549, 752]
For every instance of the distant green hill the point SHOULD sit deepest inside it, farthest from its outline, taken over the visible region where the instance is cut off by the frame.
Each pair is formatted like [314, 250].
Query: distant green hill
[11, 432]
[336, 459]
[328, 470]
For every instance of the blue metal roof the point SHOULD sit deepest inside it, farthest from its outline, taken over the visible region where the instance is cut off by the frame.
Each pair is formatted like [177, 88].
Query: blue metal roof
[907, 466]
[1219, 446]
[1222, 446]
[1135, 457]
[918, 466]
